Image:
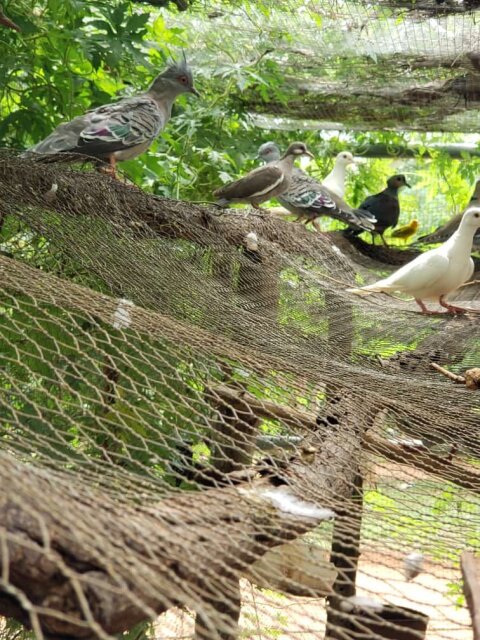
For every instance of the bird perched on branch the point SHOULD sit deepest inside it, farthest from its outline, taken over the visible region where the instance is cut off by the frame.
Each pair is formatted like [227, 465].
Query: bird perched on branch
[265, 182]
[309, 200]
[445, 231]
[435, 273]
[121, 130]
[407, 231]
[384, 206]
[335, 181]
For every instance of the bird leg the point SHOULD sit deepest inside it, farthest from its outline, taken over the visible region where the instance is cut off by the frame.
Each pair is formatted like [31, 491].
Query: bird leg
[317, 226]
[257, 208]
[424, 309]
[301, 218]
[452, 308]
[449, 307]
[111, 168]
[383, 240]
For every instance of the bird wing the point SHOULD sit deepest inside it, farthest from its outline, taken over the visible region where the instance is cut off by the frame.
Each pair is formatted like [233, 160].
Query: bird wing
[112, 127]
[307, 196]
[370, 202]
[385, 208]
[256, 183]
[421, 273]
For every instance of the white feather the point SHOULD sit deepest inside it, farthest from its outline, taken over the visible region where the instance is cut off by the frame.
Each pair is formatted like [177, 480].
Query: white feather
[413, 564]
[251, 241]
[121, 316]
[361, 602]
[335, 181]
[286, 501]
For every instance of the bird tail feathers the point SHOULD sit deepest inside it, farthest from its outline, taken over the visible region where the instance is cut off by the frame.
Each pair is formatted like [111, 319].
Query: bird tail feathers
[377, 287]
[364, 219]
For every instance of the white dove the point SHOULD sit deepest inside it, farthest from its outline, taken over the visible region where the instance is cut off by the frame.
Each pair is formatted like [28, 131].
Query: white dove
[435, 273]
[335, 181]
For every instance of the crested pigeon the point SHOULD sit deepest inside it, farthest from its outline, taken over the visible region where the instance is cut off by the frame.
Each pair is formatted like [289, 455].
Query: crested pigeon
[335, 181]
[263, 183]
[436, 273]
[121, 130]
[445, 231]
[384, 206]
[309, 200]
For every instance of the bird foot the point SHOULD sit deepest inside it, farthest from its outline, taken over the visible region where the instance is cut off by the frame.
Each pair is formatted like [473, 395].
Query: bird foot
[429, 312]
[451, 308]
[109, 170]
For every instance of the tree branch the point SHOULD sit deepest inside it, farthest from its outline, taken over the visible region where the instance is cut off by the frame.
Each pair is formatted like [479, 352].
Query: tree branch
[60, 547]
[418, 457]
[470, 565]
[6, 22]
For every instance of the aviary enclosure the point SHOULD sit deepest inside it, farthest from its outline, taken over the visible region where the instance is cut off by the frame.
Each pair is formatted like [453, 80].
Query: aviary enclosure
[203, 433]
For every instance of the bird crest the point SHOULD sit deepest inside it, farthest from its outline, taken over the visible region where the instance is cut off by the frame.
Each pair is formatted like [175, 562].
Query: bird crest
[176, 66]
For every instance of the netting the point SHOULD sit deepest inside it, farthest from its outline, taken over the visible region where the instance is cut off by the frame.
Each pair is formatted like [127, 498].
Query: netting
[360, 65]
[215, 438]
[202, 433]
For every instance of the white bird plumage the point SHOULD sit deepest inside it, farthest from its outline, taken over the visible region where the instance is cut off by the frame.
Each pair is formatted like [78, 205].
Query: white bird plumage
[413, 565]
[335, 181]
[435, 273]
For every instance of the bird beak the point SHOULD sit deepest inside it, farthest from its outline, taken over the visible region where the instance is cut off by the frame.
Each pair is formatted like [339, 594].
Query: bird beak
[195, 92]
[407, 185]
[308, 153]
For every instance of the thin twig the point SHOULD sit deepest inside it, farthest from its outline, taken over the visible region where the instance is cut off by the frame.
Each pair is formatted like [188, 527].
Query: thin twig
[448, 374]
[466, 284]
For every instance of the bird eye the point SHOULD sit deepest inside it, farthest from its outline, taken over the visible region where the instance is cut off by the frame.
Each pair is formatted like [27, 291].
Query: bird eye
[476, 215]
[183, 79]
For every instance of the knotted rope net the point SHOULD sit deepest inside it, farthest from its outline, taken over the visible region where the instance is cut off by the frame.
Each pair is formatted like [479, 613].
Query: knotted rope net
[394, 64]
[206, 436]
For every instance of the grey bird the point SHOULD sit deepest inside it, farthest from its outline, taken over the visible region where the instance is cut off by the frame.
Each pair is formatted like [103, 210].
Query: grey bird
[384, 206]
[121, 130]
[265, 182]
[443, 233]
[309, 199]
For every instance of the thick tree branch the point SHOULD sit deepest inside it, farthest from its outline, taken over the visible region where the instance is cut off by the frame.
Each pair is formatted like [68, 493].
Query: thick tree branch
[89, 564]
[420, 458]
[23, 185]
[470, 565]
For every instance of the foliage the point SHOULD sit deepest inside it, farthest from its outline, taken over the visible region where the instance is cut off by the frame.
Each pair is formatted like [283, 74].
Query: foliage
[75, 54]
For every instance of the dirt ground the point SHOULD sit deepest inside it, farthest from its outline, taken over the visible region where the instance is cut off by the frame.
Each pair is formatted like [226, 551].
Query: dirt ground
[266, 615]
